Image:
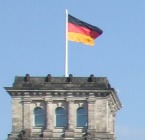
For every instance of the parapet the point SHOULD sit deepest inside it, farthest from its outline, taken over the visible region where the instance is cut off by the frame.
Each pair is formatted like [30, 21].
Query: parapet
[70, 82]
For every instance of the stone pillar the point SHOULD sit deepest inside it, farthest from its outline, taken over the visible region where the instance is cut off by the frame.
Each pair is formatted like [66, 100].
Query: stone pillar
[16, 118]
[107, 116]
[49, 115]
[113, 122]
[26, 111]
[70, 125]
[70, 115]
[91, 112]
[16, 115]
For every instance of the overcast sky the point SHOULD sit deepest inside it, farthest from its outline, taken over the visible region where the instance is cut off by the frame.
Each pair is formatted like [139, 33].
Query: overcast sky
[32, 40]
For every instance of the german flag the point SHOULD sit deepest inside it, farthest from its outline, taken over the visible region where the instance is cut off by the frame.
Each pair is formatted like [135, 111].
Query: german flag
[83, 32]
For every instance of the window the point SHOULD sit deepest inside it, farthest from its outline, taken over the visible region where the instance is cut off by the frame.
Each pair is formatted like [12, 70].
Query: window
[39, 117]
[61, 117]
[82, 117]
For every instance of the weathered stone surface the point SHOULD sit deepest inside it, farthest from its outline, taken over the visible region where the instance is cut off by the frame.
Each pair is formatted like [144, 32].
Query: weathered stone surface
[93, 93]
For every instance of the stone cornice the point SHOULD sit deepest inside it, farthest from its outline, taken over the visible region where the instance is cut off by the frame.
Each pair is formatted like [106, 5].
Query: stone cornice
[114, 103]
[63, 88]
[60, 93]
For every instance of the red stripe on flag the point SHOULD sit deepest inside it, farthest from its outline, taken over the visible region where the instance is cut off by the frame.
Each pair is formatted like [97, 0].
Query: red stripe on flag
[82, 30]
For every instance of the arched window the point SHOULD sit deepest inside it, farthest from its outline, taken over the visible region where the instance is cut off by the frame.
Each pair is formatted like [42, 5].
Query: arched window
[61, 117]
[82, 117]
[39, 117]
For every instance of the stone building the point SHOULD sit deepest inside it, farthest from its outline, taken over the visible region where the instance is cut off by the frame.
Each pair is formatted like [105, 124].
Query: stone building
[63, 108]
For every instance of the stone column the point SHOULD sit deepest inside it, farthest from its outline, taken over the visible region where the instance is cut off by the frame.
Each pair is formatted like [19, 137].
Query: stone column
[49, 115]
[26, 111]
[113, 122]
[17, 117]
[70, 125]
[91, 112]
[107, 116]
[70, 116]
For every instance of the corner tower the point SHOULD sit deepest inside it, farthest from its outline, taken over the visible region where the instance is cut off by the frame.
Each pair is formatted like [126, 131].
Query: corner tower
[59, 108]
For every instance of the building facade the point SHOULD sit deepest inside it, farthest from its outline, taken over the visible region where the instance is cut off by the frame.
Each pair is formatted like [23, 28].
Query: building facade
[60, 108]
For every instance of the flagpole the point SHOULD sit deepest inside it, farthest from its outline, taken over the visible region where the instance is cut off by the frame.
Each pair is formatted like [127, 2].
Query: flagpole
[66, 45]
